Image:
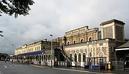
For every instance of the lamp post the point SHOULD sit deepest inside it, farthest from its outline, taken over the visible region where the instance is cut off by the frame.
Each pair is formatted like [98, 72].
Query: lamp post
[1, 34]
[116, 63]
[51, 50]
[1, 31]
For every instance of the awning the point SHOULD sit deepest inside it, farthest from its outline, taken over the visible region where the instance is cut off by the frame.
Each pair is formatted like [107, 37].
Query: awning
[32, 53]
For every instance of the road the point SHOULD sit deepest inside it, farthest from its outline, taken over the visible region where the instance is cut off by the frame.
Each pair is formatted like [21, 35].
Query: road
[11, 68]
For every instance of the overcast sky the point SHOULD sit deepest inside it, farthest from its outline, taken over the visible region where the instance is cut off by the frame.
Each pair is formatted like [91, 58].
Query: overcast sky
[58, 16]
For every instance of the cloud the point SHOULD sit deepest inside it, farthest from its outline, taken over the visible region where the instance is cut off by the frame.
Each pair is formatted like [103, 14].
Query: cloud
[58, 16]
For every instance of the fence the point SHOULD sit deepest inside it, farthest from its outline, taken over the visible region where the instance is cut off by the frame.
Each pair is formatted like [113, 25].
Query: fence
[118, 65]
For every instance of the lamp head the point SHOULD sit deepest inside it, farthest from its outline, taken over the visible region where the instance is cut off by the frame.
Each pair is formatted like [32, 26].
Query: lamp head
[1, 31]
[1, 35]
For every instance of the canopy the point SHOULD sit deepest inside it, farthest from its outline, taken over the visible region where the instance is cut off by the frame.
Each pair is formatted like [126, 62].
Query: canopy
[32, 53]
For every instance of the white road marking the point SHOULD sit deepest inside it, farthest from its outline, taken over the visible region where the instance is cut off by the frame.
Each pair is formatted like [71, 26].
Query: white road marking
[37, 66]
[75, 70]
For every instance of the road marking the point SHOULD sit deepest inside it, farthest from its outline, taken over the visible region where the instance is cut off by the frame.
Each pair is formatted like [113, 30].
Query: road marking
[37, 66]
[75, 70]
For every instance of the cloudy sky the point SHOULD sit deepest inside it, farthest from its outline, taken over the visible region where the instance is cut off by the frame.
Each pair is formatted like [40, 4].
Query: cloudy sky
[58, 16]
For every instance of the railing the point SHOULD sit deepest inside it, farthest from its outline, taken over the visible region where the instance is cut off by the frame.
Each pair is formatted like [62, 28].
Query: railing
[65, 55]
[66, 58]
[118, 65]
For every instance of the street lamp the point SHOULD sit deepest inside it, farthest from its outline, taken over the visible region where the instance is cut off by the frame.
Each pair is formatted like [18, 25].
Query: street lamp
[1, 31]
[1, 34]
[51, 50]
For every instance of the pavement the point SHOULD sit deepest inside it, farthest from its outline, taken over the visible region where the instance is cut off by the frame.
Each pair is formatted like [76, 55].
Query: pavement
[11, 68]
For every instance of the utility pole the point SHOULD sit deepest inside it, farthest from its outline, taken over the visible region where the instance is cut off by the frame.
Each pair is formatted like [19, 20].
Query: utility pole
[51, 50]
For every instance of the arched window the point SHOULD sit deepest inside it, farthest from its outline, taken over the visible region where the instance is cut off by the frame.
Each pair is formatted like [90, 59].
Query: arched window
[75, 57]
[71, 57]
[44, 57]
[90, 39]
[90, 55]
[84, 57]
[68, 43]
[79, 57]
[81, 40]
[74, 42]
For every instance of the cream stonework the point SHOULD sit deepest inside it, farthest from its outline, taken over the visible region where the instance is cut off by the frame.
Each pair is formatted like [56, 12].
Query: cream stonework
[86, 45]
[36, 46]
[96, 48]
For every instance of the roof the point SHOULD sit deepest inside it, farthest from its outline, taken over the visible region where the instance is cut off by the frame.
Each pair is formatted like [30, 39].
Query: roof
[33, 53]
[125, 45]
[113, 20]
[77, 28]
[122, 49]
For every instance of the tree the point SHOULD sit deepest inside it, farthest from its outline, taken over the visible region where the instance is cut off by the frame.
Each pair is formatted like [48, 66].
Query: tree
[15, 7]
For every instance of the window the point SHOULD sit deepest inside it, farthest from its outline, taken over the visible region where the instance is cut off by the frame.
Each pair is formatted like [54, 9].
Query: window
[31, 49]
[68, 43]
[81, 40]
[90, 39]
[36, 58]
[101, 44]
[39, 48]
[75, 57]
[79, 57]
[84, 57]
[90, 55]
[70, 56]
[35, 48]
[74, 42]
[42, 58]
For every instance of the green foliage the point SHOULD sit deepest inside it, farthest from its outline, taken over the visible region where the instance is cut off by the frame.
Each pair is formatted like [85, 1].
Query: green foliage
[15, 7]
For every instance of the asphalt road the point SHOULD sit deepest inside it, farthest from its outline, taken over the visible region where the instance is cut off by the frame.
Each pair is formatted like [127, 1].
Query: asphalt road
[11, 68]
